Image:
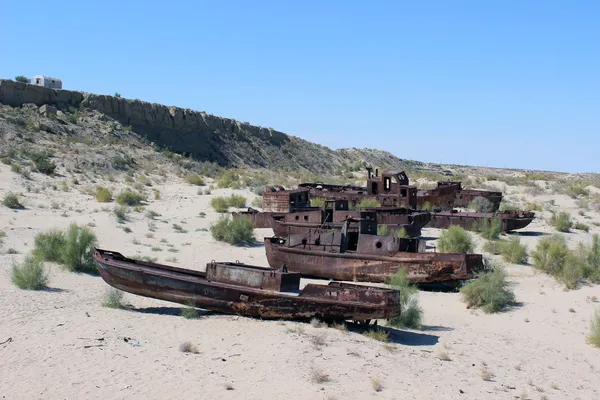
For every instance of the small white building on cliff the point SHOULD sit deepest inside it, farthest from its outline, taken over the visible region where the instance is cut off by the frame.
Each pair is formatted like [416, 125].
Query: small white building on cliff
[46, 81]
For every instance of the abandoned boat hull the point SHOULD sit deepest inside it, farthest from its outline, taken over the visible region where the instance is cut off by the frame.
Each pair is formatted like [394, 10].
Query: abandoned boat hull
[419, 267]
[283, 229]
[336, 301]
[509, 220]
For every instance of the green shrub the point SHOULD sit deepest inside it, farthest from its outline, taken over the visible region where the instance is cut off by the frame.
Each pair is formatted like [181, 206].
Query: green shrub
[577, 189]
[592, 257]
[220, 204]
[489, 229]
[427, 206]
[30, 275]
[113, 298]
[49, 246]
[79, 250]
[73, 248]
[506, 206]
[236, 201]
[481, 204]
[492, 247]
[103, 195]
[229, 179]
[12, 201]
[190, 311]
[317, 202]
[550, 255]
[455, 240]
[194, 179]
[22, 78]
[594, 336]
[581, 226]
[411, 315]
[561, 221]
[179, 229]
[367, 203]
[130, 198]
[489, 291]
[42, 162]
[121, 213]
[513, 251]
[257, 202]
[16, 168]
[236, 232]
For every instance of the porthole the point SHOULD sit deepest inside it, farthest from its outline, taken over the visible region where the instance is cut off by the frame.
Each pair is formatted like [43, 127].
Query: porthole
[378, 245]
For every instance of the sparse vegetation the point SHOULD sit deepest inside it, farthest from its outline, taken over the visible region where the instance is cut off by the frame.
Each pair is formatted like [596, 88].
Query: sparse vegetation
[377, 334]
[481, 204]
[22, 78]
[220, 204]
[188, 347]
[73, 248]
[179, 229]
[190, 311]
[376, 384]
[30, 275]
[513, 251]
[130, 198]
[11, 201]
[113, 298]
[318, 376]
[412, 314]
[561, 221]
[489, 291]
[236, 201]
[492, 247]
[233, 231]
[103, 195]
[581, 227]
[317, 202]
[594, 336]
[194, 179]
[121, 213]
[367, 203]
[455, 240]
[42, 162]
[489, 229]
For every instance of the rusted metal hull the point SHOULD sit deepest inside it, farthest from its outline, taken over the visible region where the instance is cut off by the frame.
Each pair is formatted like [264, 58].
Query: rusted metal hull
[311, 218]
[449, 195]
[246, 290]
[420, 267]
[282, 229]
[510, 220]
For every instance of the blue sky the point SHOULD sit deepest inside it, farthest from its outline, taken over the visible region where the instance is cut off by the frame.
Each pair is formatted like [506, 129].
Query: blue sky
[495, 83]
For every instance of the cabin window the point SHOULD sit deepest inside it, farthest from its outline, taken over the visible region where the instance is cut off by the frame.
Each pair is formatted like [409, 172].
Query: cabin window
[317, 242]
[403, 192]
[306, 217]
[37, 81]
[374, 188]
[304, 241]
[387, 182]
[297, 218]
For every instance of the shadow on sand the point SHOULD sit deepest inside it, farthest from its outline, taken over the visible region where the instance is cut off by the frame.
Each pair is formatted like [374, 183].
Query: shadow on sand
[174, 311]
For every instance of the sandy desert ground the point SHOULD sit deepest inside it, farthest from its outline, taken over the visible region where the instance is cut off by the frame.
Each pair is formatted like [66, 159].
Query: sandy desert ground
[64, 344]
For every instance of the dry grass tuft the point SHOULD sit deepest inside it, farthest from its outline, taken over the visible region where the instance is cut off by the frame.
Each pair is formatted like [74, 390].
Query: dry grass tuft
[376, 384]
[319, 340]
[188, 347]
[486, 375]
[377, 334]
[318, 376]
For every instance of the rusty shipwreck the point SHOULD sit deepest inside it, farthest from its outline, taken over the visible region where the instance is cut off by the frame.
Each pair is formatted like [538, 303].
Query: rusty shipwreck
[247, 290]
[361, 255]
[393, 189]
